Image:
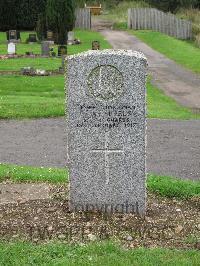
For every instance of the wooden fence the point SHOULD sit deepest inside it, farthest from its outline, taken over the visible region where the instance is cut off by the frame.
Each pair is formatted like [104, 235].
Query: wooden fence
[83, 18]
[153, 19]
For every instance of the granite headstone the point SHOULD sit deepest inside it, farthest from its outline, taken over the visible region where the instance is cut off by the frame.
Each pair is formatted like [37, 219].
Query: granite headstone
[106, 131]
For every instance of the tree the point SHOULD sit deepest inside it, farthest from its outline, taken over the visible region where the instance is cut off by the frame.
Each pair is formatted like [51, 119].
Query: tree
[173, 5]
[60, 16]
[41, 27]
[20, 14]
[8, 17]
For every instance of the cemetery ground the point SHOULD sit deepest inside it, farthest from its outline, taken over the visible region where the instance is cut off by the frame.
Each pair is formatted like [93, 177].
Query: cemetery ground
[53, 63]
[37, 97]
[40, 230]
[172, 210]
[34, 97]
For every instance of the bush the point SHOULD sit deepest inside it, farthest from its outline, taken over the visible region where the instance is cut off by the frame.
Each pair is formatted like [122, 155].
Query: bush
[119, 13]
[120, 26]
[194, 16]
[60, 16]
[41, 27]
[172, 5]
[195, 29]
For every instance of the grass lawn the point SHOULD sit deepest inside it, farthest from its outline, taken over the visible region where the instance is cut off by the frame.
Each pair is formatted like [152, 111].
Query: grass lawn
[184, 53]
[23, 96]
[161, 106]
[85, 36]
[162, 185]
[34, 97]
[105, 253]
[38, 63]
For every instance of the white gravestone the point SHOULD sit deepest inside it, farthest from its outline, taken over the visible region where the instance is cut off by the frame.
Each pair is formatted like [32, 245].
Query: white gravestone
[11, 48]
[70, 40]
[106, 115]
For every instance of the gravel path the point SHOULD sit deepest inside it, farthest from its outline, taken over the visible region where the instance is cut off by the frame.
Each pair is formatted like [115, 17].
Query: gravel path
[173, 146]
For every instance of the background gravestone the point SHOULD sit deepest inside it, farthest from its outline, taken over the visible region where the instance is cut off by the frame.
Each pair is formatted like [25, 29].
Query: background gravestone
[11, 48]
[106, 131]
[95, 45]
[32, 38]
[70, 39]
[50, 36]
[13, 36]
[62, 50]
[45, 48]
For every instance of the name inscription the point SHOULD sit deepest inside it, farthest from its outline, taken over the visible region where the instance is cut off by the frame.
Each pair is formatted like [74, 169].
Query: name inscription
[107, 116]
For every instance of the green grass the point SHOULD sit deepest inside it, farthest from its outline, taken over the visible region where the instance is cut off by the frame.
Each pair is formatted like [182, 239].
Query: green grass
[184, 53]
[28, 97]
[173, 187]
[164, 107]
[24, 36]
[163, 185]
[105, 253]
[38, 63]
[22, 48]
[32, 174]
[35, 97]
[85, 36]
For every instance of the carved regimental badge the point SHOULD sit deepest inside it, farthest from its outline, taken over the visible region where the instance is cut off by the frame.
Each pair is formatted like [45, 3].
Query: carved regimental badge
[105, 83]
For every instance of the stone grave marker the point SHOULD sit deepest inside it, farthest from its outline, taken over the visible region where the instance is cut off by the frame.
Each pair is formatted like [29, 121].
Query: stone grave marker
[50, 36]
[62, 50]
[12, 35]
[11, 48]
[95, 45]
[45, 48]
[32, 38]
[106, 131]
[70, 39]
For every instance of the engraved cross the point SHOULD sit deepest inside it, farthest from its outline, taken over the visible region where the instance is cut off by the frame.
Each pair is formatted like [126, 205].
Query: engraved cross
[106, 152]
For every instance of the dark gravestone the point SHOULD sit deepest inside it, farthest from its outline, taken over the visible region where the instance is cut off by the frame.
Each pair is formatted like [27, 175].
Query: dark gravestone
[95, 45]
[18, 35]
[62, 50]
[32, 38]
[50, 36]
[13, 36]
[28, 71]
